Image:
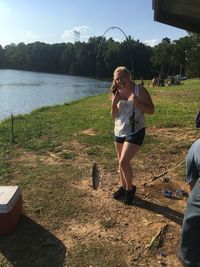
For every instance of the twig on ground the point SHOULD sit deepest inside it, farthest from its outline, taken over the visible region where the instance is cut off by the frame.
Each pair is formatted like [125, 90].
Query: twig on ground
[162, 174]
[157, 240]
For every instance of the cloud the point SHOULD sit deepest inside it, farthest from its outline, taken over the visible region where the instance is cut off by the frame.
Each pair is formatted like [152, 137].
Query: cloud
[76, 33]
[152, 43]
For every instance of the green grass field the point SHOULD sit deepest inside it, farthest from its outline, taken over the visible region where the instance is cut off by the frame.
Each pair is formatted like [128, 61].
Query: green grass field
[50, 130]
[45, 129]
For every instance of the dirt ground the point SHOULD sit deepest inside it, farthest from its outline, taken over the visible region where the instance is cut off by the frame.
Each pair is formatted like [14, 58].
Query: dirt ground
[135, 227]
[147, 233]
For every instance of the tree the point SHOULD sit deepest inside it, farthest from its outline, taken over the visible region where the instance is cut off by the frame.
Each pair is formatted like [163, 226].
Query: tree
[68, 57]
[193, 56]
[3, 58]
[99, 57]
[178, 57]
[56, 52]
[10, 54]
[162, 56]
[39, 57]
[111, 55]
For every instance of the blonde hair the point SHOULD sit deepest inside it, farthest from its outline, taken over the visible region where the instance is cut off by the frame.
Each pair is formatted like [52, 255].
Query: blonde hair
[123, 69]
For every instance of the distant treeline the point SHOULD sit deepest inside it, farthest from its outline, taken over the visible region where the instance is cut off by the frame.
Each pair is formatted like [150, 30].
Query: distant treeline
[99, 57]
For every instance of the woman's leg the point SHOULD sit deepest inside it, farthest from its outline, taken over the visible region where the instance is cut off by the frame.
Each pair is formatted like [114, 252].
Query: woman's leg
[119, 147]
[128, 151]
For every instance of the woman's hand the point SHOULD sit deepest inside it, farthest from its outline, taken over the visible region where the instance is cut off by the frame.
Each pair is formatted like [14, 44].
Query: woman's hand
[116, 96]
[134, 98]
[115, 99]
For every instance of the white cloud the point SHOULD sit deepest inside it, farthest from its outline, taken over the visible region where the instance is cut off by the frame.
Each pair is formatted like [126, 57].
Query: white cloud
[152, 43]
[70, 35]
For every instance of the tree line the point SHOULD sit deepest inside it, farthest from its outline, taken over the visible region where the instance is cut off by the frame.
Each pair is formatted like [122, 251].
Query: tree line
[100, 56]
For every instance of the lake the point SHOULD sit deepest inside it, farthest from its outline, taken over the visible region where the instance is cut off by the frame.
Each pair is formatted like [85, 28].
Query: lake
[23, 91]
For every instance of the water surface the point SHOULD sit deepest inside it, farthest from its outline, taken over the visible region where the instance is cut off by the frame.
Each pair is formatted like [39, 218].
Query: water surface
[23, 91]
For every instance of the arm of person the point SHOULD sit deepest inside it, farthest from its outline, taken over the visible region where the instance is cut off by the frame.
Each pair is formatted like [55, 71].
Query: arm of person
[114, 108]
[144, 102]
[191, 185]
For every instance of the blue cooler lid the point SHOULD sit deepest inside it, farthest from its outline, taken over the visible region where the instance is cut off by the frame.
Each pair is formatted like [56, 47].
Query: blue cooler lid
[8, 197]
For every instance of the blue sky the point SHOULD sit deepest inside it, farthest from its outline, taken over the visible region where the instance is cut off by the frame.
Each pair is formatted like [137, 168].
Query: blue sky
[55, 21]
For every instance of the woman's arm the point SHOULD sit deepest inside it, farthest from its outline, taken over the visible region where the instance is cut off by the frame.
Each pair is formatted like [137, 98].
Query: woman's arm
[114, 108]
[144, 102]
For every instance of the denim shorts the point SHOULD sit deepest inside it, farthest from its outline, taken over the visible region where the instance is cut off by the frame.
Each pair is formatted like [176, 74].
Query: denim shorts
[134, 138]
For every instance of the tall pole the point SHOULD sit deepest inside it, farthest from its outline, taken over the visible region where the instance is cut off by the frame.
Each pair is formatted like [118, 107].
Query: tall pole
[12, 129]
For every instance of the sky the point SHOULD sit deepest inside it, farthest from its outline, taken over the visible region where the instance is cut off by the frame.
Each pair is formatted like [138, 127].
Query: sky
[57, 21]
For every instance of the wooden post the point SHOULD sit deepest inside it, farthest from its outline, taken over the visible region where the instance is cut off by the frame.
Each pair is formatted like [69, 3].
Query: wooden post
[12, 129]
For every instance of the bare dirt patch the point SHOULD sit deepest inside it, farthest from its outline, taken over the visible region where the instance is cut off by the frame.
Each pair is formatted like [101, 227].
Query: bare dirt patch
[89, 131]
[146, 233]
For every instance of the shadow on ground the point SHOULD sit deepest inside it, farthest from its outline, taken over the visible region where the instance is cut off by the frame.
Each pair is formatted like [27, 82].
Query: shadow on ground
[167, 212]
[31, 245]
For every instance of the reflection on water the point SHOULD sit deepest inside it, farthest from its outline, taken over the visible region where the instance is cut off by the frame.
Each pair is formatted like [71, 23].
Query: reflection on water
[23, 91]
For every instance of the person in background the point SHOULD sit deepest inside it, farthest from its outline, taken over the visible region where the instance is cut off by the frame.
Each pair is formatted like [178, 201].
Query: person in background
[129, 103]
[154, 82]
[189, 252]
[193, 165]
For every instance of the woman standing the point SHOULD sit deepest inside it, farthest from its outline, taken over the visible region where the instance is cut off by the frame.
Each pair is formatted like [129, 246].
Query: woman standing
[129, 103]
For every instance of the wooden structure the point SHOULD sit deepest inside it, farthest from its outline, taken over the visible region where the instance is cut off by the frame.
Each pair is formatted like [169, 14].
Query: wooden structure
[184, 14]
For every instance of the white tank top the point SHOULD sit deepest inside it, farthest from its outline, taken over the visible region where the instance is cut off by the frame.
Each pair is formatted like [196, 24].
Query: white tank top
[125, 124]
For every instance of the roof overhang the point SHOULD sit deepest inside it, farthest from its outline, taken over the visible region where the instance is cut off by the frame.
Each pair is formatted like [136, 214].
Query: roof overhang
[184, 14]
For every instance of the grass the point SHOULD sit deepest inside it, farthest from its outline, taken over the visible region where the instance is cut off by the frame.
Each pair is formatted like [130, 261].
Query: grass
[44, 135]
[97, 254]
[48, 127]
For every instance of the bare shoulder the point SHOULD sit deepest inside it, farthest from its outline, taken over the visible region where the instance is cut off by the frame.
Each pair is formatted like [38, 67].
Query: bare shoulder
[144, 92]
